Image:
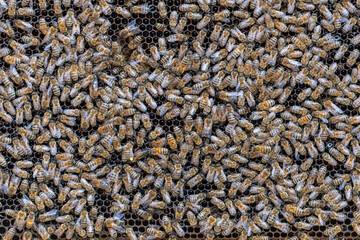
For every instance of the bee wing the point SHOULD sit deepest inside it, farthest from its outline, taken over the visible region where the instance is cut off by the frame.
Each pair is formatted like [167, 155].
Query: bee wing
[28, 25]
[225, 20]
[2, 30]
[295, 63]
[150, 237]
[182, 192]
[131, 26]
[3, 4]
[25, 199]
[98, 54]
[57, 133]
[46, 38]
[28, 83]
[111, 140]
[296, 154]
[248, 231]
[48, 47]
[79, 219]
[323, 119]
[341, 187]
[337, 110]
[67, 75]
[330, 131]
[203, 228]
[215, 56]
[13, 70]
[332, 236]
[8, 23]
[321, 221]
[6, 186]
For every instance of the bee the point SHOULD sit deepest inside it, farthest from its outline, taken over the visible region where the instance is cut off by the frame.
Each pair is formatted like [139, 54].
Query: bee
[99, 223]
[349, 164]
[332, 230]
[140, 9]
[173, 19]
[129, 30]
[12, 60]
[5, 51]
[352, 58]
[123, 11]
[23, 25]
[8, 30]
[26, 11]
[154, 232]
[162, 9]
[20, 220]
[9, 234]
[130, 234]
[158, 131]
[161, 27]
[203, 22]
[61, 230]
[42, 4]
[6, 26]
[27, 235]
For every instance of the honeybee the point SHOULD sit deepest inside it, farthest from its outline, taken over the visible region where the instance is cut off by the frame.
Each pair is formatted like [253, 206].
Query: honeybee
[173, 19]
[332, 231]
[123, 11]
[9, 234]
[352, 58]
[162, 9]
[140, 9]
[129, 30]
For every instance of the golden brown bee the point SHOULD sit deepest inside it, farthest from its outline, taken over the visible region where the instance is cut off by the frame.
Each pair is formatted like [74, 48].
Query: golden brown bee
[9, 234]
[161, 27]
[203, 22]
[123, 11]
[332, 230]
[162, 9]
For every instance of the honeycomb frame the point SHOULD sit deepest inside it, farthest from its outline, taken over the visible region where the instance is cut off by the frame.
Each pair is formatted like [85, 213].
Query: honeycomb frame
[151, 35]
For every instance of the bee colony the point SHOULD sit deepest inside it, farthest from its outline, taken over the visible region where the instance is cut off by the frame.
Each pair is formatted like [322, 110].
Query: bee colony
[169, 119]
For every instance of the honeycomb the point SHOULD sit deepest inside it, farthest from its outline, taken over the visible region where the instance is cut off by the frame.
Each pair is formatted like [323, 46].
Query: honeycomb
[151, 36]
